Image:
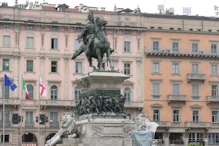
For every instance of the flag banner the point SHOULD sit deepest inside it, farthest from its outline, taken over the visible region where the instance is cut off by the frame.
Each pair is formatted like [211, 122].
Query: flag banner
[42, 88]
[8, 82]
[24, 87]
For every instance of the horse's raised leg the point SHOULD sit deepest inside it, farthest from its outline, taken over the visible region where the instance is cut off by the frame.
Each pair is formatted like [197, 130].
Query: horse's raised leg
[100, 65]
[108, 53]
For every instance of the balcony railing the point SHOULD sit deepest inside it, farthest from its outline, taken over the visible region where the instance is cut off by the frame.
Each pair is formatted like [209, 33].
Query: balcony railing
[64, 103]
[197, 124]
[10, 101]
[214, 124]
[163, 123]
[7, 123]
[176, 124]
[212, 99]
[188, 51]
[196, 77]
[54, 124]
[134, 104]
[29, 123]
[172, 98]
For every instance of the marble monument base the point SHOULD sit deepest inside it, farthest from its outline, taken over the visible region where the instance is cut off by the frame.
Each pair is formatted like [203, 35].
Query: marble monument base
[103, 131]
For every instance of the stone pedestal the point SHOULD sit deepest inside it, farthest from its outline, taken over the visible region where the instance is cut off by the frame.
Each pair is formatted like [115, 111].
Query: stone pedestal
[103, 131]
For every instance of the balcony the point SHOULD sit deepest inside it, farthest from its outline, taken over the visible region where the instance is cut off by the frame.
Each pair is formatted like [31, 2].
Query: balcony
[196, 77]
[163, 123]
[58, 103]
[7, 123]
[214, 125]
[197, 124]
[176, 124]
[134, 104]
[177, 98]
[11, 102]
[29, 123]
[212, 99]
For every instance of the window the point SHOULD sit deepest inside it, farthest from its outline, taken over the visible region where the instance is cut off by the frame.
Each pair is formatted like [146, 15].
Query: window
[176, 116]
[156, 67]
[214, 49]
[195, 69]
[195, 91]
[6, 64]
[7, 91]
[30, 27]
[156, 46]
[126, 46]
[214, 90]
[77, 93]
[127, 32]
[194, 48]
[54, 119]
[30, 90]
[156, 90]
[54, 92]
[29, 66]
[127, 93]
[55, 28]
[30, 42]
[179, 28]
[127, 67]
[213, 139]
[175, 68]
[214, 70]
[77, 44]
[6, 25]
[7, 118]
[176, 138]
[159, 27]
[54, 43]
[171, 28]
[193, 137]
[29, 119]
[78, 29]
[6, 41]
[6, 138]
[54, 66]
[195, 116]
[215, 115]
[156, 115]
[175, 89]
[78, 67]
[175, 47]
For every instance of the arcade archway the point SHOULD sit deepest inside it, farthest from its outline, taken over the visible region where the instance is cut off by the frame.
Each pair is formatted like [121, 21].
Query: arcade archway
[29, 137]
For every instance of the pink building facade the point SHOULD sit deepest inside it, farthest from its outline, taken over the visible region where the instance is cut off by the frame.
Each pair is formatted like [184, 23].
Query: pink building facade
[40, 43]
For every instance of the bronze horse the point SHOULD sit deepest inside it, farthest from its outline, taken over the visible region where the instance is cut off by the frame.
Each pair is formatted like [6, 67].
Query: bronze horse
[99, 47]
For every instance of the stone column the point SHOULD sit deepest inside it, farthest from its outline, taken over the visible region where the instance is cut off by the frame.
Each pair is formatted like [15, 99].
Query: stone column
[42, 67]
[166, 139]
[66, 77]
[139, 80]
[205, 138]
[186, 139]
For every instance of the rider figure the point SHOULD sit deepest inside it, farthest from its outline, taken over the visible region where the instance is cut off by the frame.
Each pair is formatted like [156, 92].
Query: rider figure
[89, 32]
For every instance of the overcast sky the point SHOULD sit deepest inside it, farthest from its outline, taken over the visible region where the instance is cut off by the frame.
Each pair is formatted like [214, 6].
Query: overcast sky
[200, 7]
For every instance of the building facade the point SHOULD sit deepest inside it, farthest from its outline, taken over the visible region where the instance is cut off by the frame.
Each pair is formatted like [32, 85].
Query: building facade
[39, 43]
[181, 78]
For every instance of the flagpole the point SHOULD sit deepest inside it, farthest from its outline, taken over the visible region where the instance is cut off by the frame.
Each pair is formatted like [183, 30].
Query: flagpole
[21, 122]
[3, 126]
[39, 114]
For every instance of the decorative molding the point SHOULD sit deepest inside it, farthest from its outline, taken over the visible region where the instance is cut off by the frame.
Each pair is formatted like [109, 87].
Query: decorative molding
[214, 106]
[180, 81]
[176, 105]
[195, 106]
[156, 80]
[54, 81]
[127, 82]
[213, 82]
[156, 105]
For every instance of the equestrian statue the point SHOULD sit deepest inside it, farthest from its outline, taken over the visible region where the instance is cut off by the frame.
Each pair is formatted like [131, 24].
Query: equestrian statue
[95, 43]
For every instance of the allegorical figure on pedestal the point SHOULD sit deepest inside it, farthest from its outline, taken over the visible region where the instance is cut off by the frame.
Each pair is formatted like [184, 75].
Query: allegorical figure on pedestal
[95, 43]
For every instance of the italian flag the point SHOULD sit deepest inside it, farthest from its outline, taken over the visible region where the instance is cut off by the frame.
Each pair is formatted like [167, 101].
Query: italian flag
[24, 87]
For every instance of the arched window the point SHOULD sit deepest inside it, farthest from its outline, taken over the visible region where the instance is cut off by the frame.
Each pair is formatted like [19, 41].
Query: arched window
[54, 92]
[127, 93]
[77, 92]
[30, 90]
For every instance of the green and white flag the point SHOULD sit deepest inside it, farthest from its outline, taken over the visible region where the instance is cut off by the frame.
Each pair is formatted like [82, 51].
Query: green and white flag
[24, 87]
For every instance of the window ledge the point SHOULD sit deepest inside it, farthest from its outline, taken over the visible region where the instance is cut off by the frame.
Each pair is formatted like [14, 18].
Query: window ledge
[54, 73]
[54, 49]
[214, 76]
[127, 52]
[6, 47]
[77, 73]
[155, 73]
[176, 74]
[6, 71]
[30, 48]
[29, 72]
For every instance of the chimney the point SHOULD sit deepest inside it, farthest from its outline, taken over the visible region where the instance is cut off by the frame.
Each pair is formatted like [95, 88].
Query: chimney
[102, 8]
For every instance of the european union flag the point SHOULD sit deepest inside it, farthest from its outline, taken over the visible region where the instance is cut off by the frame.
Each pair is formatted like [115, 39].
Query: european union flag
[8, 82]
